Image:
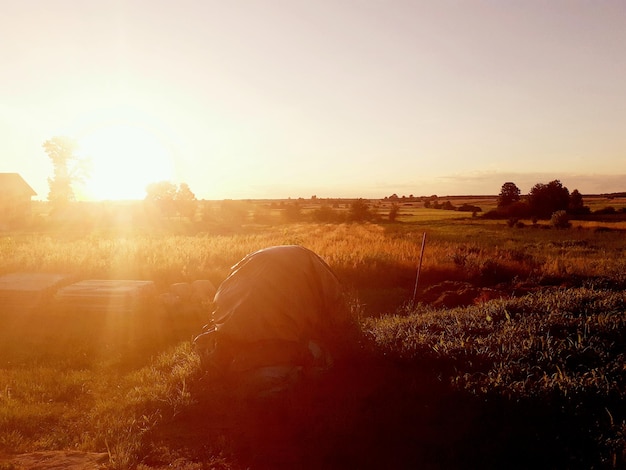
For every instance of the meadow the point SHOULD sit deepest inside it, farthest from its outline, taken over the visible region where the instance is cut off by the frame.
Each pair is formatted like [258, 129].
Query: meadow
[510, 355]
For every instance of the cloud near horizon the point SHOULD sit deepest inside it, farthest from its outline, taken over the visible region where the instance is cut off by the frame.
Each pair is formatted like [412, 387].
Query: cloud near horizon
[475, 183]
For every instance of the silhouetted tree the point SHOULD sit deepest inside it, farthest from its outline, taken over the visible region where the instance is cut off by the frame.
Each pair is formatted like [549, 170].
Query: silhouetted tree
[185, 201]
[162, 195]
[576, 203]
[509, 194]
[66, 171]
[545, 199]
[171, 199]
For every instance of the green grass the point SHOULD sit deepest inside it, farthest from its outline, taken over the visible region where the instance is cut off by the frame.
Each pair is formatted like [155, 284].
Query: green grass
[562, 349]
[91, 398]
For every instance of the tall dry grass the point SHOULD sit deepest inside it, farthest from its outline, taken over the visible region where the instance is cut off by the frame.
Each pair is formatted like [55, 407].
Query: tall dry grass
[454, 248]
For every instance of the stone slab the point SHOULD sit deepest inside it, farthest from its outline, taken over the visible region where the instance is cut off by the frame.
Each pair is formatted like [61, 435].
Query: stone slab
[26, 289]
[107, 294]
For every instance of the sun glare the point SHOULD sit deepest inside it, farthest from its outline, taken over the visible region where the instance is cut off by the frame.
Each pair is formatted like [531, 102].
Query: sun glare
[122, 158]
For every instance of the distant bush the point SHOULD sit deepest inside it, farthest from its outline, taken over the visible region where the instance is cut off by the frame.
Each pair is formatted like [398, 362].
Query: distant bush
[576, 204]
[602, 229]
[469, 208]
[579, 211]
[560, 219]
[448, 206]
[360, 211]
[326, 214]
[609, 210]
[517, 210]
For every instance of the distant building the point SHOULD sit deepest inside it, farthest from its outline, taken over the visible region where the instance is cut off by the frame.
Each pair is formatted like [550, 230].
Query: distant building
[15, 198]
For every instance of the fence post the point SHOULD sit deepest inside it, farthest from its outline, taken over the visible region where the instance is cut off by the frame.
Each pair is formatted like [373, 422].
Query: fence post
[419, 268]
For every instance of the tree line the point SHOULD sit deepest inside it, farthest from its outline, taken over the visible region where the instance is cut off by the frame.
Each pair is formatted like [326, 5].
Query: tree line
[163, 197]
[170, 200]
[542, 202]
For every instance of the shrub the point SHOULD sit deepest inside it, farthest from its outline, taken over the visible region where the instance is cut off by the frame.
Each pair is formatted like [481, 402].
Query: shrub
[560, 219]
[360, 211]
[469, 208]
[605, 211]
[448, 206]
[326, 214]
[517, 210]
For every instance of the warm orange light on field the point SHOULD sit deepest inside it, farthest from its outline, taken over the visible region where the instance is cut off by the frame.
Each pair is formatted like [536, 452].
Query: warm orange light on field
[122, 159]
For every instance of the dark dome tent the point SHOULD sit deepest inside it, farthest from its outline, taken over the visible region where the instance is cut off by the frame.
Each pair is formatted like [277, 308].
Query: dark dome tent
[280, 306]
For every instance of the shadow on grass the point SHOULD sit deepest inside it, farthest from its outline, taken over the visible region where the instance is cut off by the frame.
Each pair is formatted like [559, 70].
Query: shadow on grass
[372, 413]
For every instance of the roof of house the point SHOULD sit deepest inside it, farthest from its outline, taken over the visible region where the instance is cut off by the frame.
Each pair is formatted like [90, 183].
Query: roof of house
[13, 183]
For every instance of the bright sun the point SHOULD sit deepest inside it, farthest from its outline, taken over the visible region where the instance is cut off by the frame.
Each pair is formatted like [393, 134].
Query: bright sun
[122, 159]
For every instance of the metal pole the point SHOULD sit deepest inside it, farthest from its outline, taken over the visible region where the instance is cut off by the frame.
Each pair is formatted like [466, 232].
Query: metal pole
[419, 268]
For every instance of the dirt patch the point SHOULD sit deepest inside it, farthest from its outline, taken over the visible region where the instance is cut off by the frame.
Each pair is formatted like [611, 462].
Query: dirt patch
[55, 460]
[450, 294]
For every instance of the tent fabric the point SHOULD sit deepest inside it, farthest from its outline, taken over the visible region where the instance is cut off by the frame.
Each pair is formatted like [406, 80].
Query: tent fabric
[285, 293]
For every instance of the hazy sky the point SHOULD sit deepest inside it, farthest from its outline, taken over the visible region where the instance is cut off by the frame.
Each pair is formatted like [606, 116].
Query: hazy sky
[337, 98]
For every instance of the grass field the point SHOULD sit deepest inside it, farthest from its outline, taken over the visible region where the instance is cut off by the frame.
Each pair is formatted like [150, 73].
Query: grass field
[511, 356]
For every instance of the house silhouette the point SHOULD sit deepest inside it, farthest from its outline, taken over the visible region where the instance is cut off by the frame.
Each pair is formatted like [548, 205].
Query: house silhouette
[15, 198]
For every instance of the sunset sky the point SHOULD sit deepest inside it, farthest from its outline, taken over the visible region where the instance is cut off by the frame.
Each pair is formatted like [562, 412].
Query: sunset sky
[334, 98]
